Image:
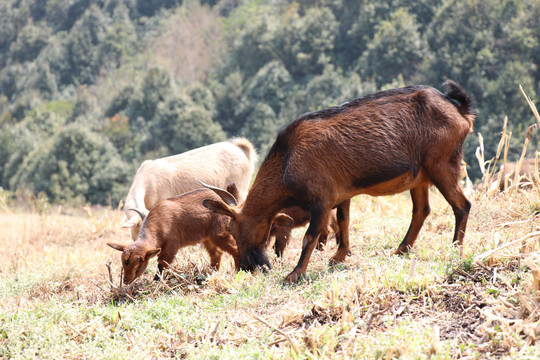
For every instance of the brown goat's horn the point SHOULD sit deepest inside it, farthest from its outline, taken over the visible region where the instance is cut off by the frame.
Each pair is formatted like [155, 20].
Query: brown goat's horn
[141, 213]
[226, 196]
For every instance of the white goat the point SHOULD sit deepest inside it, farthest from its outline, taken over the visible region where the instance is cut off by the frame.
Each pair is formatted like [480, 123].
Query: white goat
[218, 164]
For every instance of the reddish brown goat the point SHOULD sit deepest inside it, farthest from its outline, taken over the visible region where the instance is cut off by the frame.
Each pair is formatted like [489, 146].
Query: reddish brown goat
[282, 233]
[178, 222]
[381, 144]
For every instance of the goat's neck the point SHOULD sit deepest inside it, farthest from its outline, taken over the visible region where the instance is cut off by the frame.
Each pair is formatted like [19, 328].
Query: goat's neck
[146, 242]
[267, 194]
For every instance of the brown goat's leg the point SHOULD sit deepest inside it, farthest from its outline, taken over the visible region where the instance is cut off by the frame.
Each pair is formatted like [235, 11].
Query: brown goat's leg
[450, 189]
[343, 223]
[159, 272]
[215, 254]
[163, 263]
[420, 200]
[317, 221]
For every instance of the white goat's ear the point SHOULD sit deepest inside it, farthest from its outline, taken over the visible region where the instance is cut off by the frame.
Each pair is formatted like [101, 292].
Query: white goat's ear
[151, 253]
[219, 207]
[282, 219]
[116, 246]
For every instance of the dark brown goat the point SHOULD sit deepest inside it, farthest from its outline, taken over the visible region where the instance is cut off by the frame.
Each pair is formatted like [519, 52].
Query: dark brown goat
[527, 170]
[381, 144]
[282, 233]
[178, 222]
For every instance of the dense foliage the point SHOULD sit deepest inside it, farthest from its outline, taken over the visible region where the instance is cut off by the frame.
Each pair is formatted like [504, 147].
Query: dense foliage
[88, 89]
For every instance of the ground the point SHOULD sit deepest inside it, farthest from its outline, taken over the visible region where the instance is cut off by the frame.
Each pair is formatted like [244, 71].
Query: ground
[61, 297]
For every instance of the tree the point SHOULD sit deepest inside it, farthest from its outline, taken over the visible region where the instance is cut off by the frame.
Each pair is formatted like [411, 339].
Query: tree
[270, 85]
[155, 88]
[312, 42]
[229, 100]
[83, 43]
[195, 128]
[30, 41]
[396, 49]
[120, 39]
[261, 127]
[78, 165]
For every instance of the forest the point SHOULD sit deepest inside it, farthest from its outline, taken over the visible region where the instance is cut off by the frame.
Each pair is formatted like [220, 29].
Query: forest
[90, 89]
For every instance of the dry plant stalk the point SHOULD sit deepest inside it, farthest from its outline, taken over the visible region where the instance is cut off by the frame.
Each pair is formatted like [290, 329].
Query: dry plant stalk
[517, 176]
[505, 158]
[531, 105]
[503, 143]
[490, 253]
[480, 154]
[293, 344]
[536, 176]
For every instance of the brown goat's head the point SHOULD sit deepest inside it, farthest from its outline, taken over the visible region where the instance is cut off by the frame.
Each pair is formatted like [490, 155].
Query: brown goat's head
[134, 259]
[250, 256]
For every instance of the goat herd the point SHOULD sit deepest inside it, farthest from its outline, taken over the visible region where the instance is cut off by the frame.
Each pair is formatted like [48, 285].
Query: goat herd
[381, 144]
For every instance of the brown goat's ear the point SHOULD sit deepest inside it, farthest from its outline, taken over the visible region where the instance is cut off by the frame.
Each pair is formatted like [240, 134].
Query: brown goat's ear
[282, 219]
[151, 253]
[219, 207]
[116, 246]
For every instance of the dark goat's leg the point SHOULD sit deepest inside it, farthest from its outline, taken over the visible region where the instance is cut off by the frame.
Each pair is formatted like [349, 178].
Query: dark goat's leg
[420, 200]
[319, 219]
[448, 185]
[344, 248]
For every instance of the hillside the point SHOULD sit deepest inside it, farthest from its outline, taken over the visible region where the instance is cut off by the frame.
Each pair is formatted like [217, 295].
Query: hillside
[89, 89]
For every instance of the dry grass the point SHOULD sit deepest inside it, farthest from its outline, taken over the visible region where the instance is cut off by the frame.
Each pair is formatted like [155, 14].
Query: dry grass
[432, 304]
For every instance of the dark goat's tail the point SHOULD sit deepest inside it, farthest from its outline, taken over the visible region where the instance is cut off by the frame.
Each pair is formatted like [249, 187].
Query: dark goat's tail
[459, 96]
[463, 101]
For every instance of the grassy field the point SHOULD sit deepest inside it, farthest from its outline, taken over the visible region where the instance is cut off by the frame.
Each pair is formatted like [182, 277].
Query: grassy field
[59, 300]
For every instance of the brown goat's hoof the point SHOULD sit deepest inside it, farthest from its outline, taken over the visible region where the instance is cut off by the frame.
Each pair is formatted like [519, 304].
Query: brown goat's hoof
[349, 253]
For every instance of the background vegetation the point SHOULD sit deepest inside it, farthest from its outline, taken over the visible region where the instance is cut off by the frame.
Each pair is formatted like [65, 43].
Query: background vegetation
[88, 89]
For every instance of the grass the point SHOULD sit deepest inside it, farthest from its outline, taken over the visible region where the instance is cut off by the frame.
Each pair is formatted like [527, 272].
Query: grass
[57, 299]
